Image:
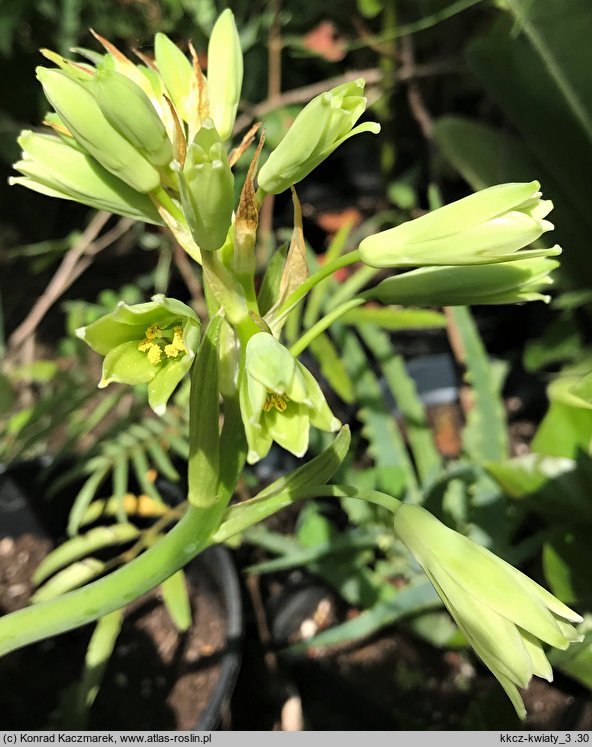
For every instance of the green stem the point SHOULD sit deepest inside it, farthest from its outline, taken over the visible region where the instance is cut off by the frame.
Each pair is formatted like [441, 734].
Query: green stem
[309, 283]
[161, 197]
[244, 515]
[323, 323]
[188, 538]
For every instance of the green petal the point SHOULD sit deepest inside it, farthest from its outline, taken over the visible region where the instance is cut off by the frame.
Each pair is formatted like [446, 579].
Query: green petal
[270, 363]
[320, 413]
[164, 383]
[107, 333]
[540, 663]
[289, 428]
[126, 364]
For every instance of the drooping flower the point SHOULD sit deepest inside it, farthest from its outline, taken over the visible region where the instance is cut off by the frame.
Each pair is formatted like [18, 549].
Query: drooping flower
[504, 615]
[504, 282]
[279, 399]
[489, 226]
[150, 343]
[321, 127]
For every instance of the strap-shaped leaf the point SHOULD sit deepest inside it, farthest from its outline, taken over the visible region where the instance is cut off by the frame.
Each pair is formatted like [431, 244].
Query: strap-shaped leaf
[176, 599]
[69, 578]
[98, 653]
[83, 545]
[204, 437]
[84, 497]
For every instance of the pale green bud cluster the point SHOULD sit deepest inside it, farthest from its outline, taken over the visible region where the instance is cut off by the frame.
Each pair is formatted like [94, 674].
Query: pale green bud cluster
[489, 226]
[321, 127]
[57, 167]
[279, 399]
[504, 615]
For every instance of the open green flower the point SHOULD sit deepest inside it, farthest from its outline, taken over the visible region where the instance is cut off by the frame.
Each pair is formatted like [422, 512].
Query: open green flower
[150, 343]
[489, 226]
[503, 614]
[321, 127]
[279, 399]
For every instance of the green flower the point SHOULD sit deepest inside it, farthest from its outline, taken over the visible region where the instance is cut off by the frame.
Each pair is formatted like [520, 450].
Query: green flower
[321, 127]
[507, 282]
[77, 107]
[488, 226]
[150, 343]
[54, 167]
[206, 183]
[129, 110]
[279, 399]
[503, 614]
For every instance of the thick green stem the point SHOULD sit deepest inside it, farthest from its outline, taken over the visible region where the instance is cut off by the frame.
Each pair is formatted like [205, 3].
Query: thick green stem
[323, 324]
[188, 538]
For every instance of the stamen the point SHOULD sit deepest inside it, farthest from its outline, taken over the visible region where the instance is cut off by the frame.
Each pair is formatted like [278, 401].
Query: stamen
[279, 401]
[154, 354]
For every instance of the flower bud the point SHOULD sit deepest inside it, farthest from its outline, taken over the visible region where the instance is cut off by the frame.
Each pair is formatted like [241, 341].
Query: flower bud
[225, 73]
[78, 109]
[129, 110]
[503, 614]
[53, 167]
[488, 226]
[206, 185]
[150, 343]
[176, 72]
[279, 399]
[322, 126]
[507, 282]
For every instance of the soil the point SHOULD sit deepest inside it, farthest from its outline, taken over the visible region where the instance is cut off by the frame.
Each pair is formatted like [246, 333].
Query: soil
[156, 678]
[391, 681]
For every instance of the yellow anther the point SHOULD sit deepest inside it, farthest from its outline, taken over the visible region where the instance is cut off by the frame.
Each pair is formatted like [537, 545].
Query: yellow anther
[279, 401]
[145, 345]
[178, 343]
[152, 332]
[171, 351]
[154, 354]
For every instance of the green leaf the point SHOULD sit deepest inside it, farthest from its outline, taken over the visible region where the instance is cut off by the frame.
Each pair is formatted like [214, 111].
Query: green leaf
[483, 155]
[395, 318]
[98, 653]
[486, 435]
[538, 78]
[576, 661]
[567, 560]
[204, 437]
[83, 545]
[69, 578]
[332, 367]
[554, 487]
[402, 387]
[176, 598]
[394, 469]
[286, 489]
[85, 496]
[565, 430]
[408, 601]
